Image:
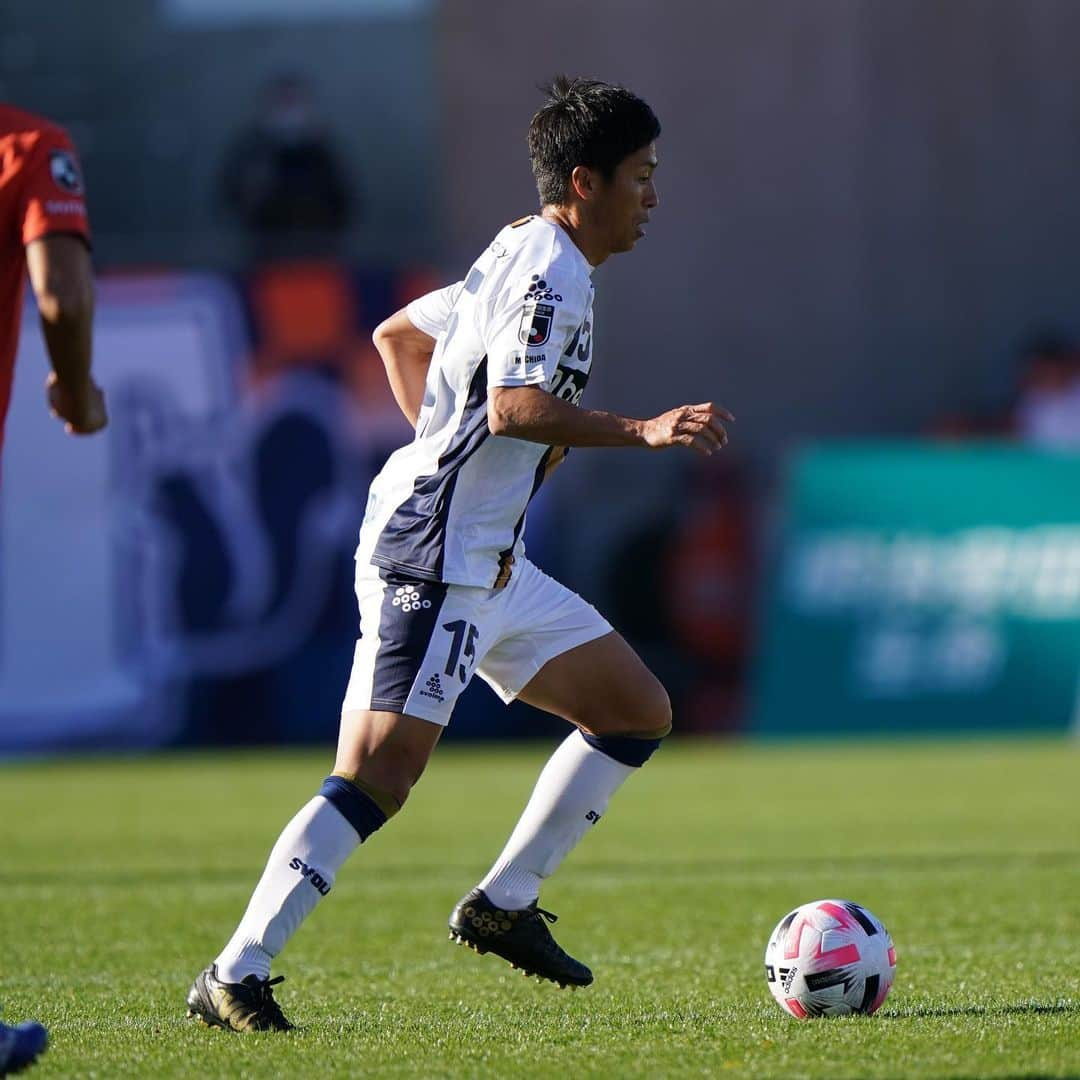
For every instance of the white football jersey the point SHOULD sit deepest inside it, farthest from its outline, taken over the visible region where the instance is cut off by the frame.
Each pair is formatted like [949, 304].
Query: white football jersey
[450, 506]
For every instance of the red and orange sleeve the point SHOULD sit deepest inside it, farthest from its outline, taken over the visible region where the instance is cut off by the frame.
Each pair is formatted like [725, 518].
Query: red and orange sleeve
[53, 190]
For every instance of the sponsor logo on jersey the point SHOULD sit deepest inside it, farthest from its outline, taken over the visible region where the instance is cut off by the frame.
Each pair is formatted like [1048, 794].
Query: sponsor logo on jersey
[540, 290]
[535, 328]
[569, 384]
[65, 171]
[526, 358]
[312, 875]
[65, 206]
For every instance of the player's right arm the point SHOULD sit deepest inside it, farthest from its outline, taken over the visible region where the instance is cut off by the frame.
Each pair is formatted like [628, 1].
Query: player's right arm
[406, 342]
[533, 414]
[63, 282]
[55, 234]
[406, 352]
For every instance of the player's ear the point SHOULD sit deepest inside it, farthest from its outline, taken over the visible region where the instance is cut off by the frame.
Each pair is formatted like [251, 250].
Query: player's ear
[583, 182]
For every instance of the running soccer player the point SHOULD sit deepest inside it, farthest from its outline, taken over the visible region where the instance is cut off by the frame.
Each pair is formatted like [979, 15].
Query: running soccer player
[45, 229]
[491, 372]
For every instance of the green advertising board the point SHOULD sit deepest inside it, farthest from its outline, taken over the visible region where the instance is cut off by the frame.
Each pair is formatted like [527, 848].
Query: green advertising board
[924, 588]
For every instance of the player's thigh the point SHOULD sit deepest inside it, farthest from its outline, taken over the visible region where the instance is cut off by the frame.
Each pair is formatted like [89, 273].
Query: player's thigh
[385, 750]
[604, 687]
[418, 646]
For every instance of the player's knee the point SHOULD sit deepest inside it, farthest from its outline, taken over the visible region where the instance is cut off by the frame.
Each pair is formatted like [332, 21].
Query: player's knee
[364, 807]
[640, 730]
[650, 718]
[372, 790]
[392, 776]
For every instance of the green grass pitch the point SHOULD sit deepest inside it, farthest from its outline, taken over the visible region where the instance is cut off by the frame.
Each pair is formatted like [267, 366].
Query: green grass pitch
[121, 878]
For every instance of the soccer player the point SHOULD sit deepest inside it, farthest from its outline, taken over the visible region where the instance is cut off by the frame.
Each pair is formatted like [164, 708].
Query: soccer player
[491, 372]
[45, 229]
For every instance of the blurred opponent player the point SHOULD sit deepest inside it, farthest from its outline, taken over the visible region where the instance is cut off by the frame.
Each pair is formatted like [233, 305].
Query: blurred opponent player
[21, 1045]
[45, 229]
[490, 371]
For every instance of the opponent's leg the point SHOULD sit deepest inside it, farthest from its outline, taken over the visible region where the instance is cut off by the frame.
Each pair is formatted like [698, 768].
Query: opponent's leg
[622, 712]
[380, 757]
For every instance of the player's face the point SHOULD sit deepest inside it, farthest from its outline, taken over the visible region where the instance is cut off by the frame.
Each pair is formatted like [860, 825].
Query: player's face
[624, 204]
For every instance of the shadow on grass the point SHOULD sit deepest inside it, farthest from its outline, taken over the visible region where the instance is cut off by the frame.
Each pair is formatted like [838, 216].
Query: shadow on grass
[1020, 1008]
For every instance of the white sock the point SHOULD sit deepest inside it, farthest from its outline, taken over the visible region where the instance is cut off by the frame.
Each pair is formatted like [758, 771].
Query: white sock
[570, 795]
[302, 866]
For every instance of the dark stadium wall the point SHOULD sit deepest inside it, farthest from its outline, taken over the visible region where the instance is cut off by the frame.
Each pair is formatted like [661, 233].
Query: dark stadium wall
[863, 205]
[153, 103]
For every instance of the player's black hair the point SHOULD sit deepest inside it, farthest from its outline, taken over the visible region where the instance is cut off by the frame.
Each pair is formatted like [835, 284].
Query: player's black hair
[585, 122]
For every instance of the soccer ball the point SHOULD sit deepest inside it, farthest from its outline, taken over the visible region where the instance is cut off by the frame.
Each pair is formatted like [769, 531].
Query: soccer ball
[830, 958]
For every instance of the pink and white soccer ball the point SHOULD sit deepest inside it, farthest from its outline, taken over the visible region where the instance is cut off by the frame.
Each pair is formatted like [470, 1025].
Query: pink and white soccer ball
[830, 958]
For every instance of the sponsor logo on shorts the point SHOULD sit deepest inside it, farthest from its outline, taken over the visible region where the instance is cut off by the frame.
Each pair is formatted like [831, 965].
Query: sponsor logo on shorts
[433, 689]
[408, 598]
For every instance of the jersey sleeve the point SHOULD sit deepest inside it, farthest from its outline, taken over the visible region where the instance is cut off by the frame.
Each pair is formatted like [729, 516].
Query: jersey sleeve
[528, 326]
[53, 196]
[431, 312]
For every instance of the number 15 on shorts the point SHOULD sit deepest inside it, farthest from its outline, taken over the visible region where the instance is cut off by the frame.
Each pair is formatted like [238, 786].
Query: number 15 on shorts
[462, 648]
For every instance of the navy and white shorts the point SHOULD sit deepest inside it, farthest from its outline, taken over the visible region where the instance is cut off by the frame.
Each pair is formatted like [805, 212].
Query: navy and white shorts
[421, 642]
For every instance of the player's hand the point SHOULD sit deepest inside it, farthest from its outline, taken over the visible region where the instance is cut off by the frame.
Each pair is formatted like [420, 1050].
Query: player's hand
[696, 426]
[82, 411]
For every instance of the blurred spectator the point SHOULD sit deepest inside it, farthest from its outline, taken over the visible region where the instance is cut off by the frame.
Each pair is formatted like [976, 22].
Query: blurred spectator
[283, 177]
[710, 577]
[1047, 411]
[683, 590]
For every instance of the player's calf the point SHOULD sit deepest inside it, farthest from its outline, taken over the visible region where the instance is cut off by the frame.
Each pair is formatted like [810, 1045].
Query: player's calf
[234, 992]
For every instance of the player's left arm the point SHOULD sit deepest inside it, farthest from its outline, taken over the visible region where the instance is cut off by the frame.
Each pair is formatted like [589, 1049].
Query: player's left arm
[534, 414]
[528, 333]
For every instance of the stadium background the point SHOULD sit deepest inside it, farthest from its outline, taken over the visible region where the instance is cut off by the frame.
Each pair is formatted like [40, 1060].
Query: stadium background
[865, 208]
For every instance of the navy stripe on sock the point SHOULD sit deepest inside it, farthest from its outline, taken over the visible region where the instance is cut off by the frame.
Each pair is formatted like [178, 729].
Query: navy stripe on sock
[622, 748]
[355, 806]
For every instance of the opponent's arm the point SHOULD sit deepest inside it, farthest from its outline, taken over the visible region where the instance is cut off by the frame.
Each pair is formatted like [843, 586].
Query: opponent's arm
[527, 412]
[63, 283]
[406, 353]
